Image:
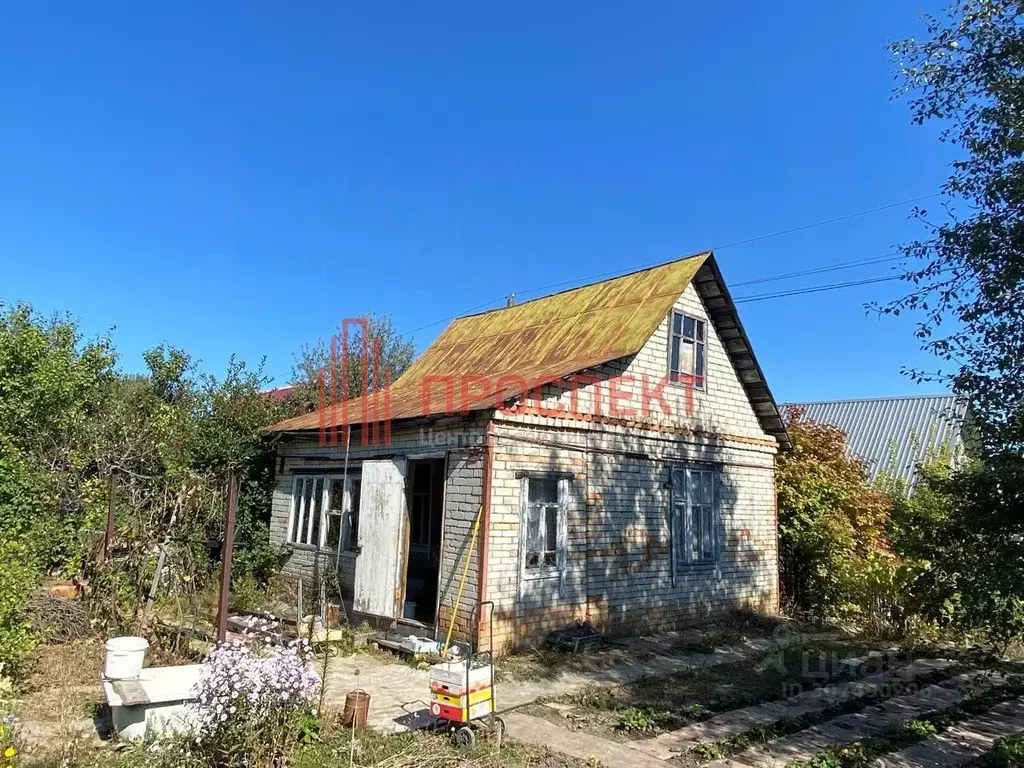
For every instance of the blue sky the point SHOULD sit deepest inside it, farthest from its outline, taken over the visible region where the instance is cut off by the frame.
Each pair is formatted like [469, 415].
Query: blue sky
[236, 179]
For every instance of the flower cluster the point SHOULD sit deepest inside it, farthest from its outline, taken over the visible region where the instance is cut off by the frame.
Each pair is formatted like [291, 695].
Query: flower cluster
[8, 729]
[242, 680]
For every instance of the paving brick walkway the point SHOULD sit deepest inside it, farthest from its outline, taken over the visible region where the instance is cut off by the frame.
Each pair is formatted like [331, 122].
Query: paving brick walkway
[398, 692]
[537, 730]
[736, 721]
[803, 745]
[963, 742]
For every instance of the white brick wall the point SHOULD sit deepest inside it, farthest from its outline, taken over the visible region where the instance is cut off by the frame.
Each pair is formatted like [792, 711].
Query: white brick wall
[619, 568]
[619, 548]
[722, 408]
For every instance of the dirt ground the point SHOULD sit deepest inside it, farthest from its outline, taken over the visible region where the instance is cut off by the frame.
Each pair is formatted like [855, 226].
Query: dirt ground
[62, 701]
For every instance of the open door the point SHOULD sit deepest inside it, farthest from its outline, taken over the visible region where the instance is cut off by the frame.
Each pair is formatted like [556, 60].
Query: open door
[381, 548]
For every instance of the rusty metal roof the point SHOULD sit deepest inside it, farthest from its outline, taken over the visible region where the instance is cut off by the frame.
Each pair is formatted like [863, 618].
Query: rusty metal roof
[538, 341]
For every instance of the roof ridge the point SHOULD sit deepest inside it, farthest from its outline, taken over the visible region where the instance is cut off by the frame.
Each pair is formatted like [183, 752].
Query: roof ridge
[943, 396]
[696, 255]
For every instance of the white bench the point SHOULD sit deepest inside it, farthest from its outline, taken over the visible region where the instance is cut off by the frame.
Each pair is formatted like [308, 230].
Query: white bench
[155, 699]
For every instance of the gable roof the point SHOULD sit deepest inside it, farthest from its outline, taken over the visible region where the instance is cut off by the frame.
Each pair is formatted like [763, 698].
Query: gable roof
[555, 336]
[893, 433]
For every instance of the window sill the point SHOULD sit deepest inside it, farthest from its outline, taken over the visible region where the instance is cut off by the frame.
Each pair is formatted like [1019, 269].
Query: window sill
[683, 385]
[310, 548]
[704, 565]
[551, 573]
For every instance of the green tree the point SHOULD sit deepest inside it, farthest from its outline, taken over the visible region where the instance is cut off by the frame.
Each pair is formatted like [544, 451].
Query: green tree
[971, 579]
[52, 383]
[831, 521]
[967, 288]
[967, 75]
[315, 362]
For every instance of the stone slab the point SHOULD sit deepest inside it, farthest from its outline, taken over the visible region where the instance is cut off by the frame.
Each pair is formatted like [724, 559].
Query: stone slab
[737, 721]
[803, 745]
[962, 743]
[536, 730]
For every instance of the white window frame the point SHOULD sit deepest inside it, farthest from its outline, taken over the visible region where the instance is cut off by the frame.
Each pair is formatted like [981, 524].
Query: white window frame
[699, 341]
[681, 516]
[562, 527]
[300, 514]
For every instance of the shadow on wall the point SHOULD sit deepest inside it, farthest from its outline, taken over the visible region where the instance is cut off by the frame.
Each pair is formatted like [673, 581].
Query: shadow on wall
[619, 572]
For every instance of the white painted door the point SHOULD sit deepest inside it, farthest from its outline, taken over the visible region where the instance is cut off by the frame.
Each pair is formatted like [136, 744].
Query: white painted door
[380, 562]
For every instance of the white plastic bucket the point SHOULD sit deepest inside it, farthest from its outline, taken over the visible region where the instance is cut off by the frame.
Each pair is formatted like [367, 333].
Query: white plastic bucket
[124, 657]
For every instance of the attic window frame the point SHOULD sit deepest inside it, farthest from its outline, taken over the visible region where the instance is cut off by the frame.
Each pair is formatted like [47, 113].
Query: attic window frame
[699, 340]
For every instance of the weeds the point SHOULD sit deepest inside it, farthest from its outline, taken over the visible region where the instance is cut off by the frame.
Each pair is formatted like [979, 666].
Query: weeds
[643, 720]
[1008, 752]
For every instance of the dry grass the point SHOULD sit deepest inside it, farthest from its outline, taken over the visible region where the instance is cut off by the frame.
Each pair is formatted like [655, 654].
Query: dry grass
[426, 750]
[63, 687]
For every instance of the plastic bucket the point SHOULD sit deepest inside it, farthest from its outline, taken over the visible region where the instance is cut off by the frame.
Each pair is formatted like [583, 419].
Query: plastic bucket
[124, 657]
[357, 708]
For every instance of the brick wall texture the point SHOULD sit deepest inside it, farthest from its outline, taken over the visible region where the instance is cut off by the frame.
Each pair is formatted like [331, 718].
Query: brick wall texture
[617, 466]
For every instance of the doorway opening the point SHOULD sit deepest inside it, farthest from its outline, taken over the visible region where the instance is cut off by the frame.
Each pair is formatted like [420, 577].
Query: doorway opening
[426, 514]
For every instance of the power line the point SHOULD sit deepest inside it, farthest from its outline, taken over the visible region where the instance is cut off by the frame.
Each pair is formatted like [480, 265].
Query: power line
[820, 270]
[734, 244]
[814, 289]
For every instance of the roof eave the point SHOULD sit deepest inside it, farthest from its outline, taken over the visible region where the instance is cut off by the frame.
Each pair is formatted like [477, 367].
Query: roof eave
[722, 312]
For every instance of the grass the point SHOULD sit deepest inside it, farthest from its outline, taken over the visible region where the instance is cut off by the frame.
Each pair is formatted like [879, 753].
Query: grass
[408, 750]
[426, 750]
[1007, 752]
[547, 664]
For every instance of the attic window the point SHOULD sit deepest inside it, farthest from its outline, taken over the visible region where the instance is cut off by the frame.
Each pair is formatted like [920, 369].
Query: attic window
[687, 350]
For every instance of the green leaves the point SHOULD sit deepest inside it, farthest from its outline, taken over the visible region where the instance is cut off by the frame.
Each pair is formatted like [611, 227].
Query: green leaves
[966, 280]
[831, 523]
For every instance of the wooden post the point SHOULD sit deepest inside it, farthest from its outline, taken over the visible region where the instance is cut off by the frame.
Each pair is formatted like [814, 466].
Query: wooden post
[108, 538]
[225, 558]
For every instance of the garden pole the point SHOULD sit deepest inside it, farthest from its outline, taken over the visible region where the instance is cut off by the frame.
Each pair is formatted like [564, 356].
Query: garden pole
[108, 539]
[225, 558]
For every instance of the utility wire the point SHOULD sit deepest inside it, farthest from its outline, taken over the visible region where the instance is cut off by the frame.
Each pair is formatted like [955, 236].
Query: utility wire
[820, 270]
[814, 289]
[734, 244]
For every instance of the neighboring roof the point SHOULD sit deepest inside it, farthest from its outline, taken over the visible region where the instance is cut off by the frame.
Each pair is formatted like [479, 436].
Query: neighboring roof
[894, 433]
[281, 393]
[552, 337]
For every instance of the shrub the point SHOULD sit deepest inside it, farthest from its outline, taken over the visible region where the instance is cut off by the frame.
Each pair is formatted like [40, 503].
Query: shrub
[251, 702]
[642, 719]
[18, 580]
[1008, 752]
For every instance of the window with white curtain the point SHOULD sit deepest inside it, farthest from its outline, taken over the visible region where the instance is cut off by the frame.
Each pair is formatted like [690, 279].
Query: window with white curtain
[695, 515]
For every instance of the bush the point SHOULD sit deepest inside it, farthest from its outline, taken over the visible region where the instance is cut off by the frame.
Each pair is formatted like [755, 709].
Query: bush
[1008, 752]
[258, 560]
[18, 582]
[252, 702]
[642, 719]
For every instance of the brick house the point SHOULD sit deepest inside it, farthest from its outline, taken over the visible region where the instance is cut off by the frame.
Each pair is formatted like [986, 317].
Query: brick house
[605, 453]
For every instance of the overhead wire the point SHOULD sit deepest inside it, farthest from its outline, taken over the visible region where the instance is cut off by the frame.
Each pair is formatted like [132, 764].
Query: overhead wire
[869, 261]
[734, 244]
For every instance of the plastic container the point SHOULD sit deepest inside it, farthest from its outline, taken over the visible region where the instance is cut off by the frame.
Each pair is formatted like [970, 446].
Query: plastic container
[125, 656]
